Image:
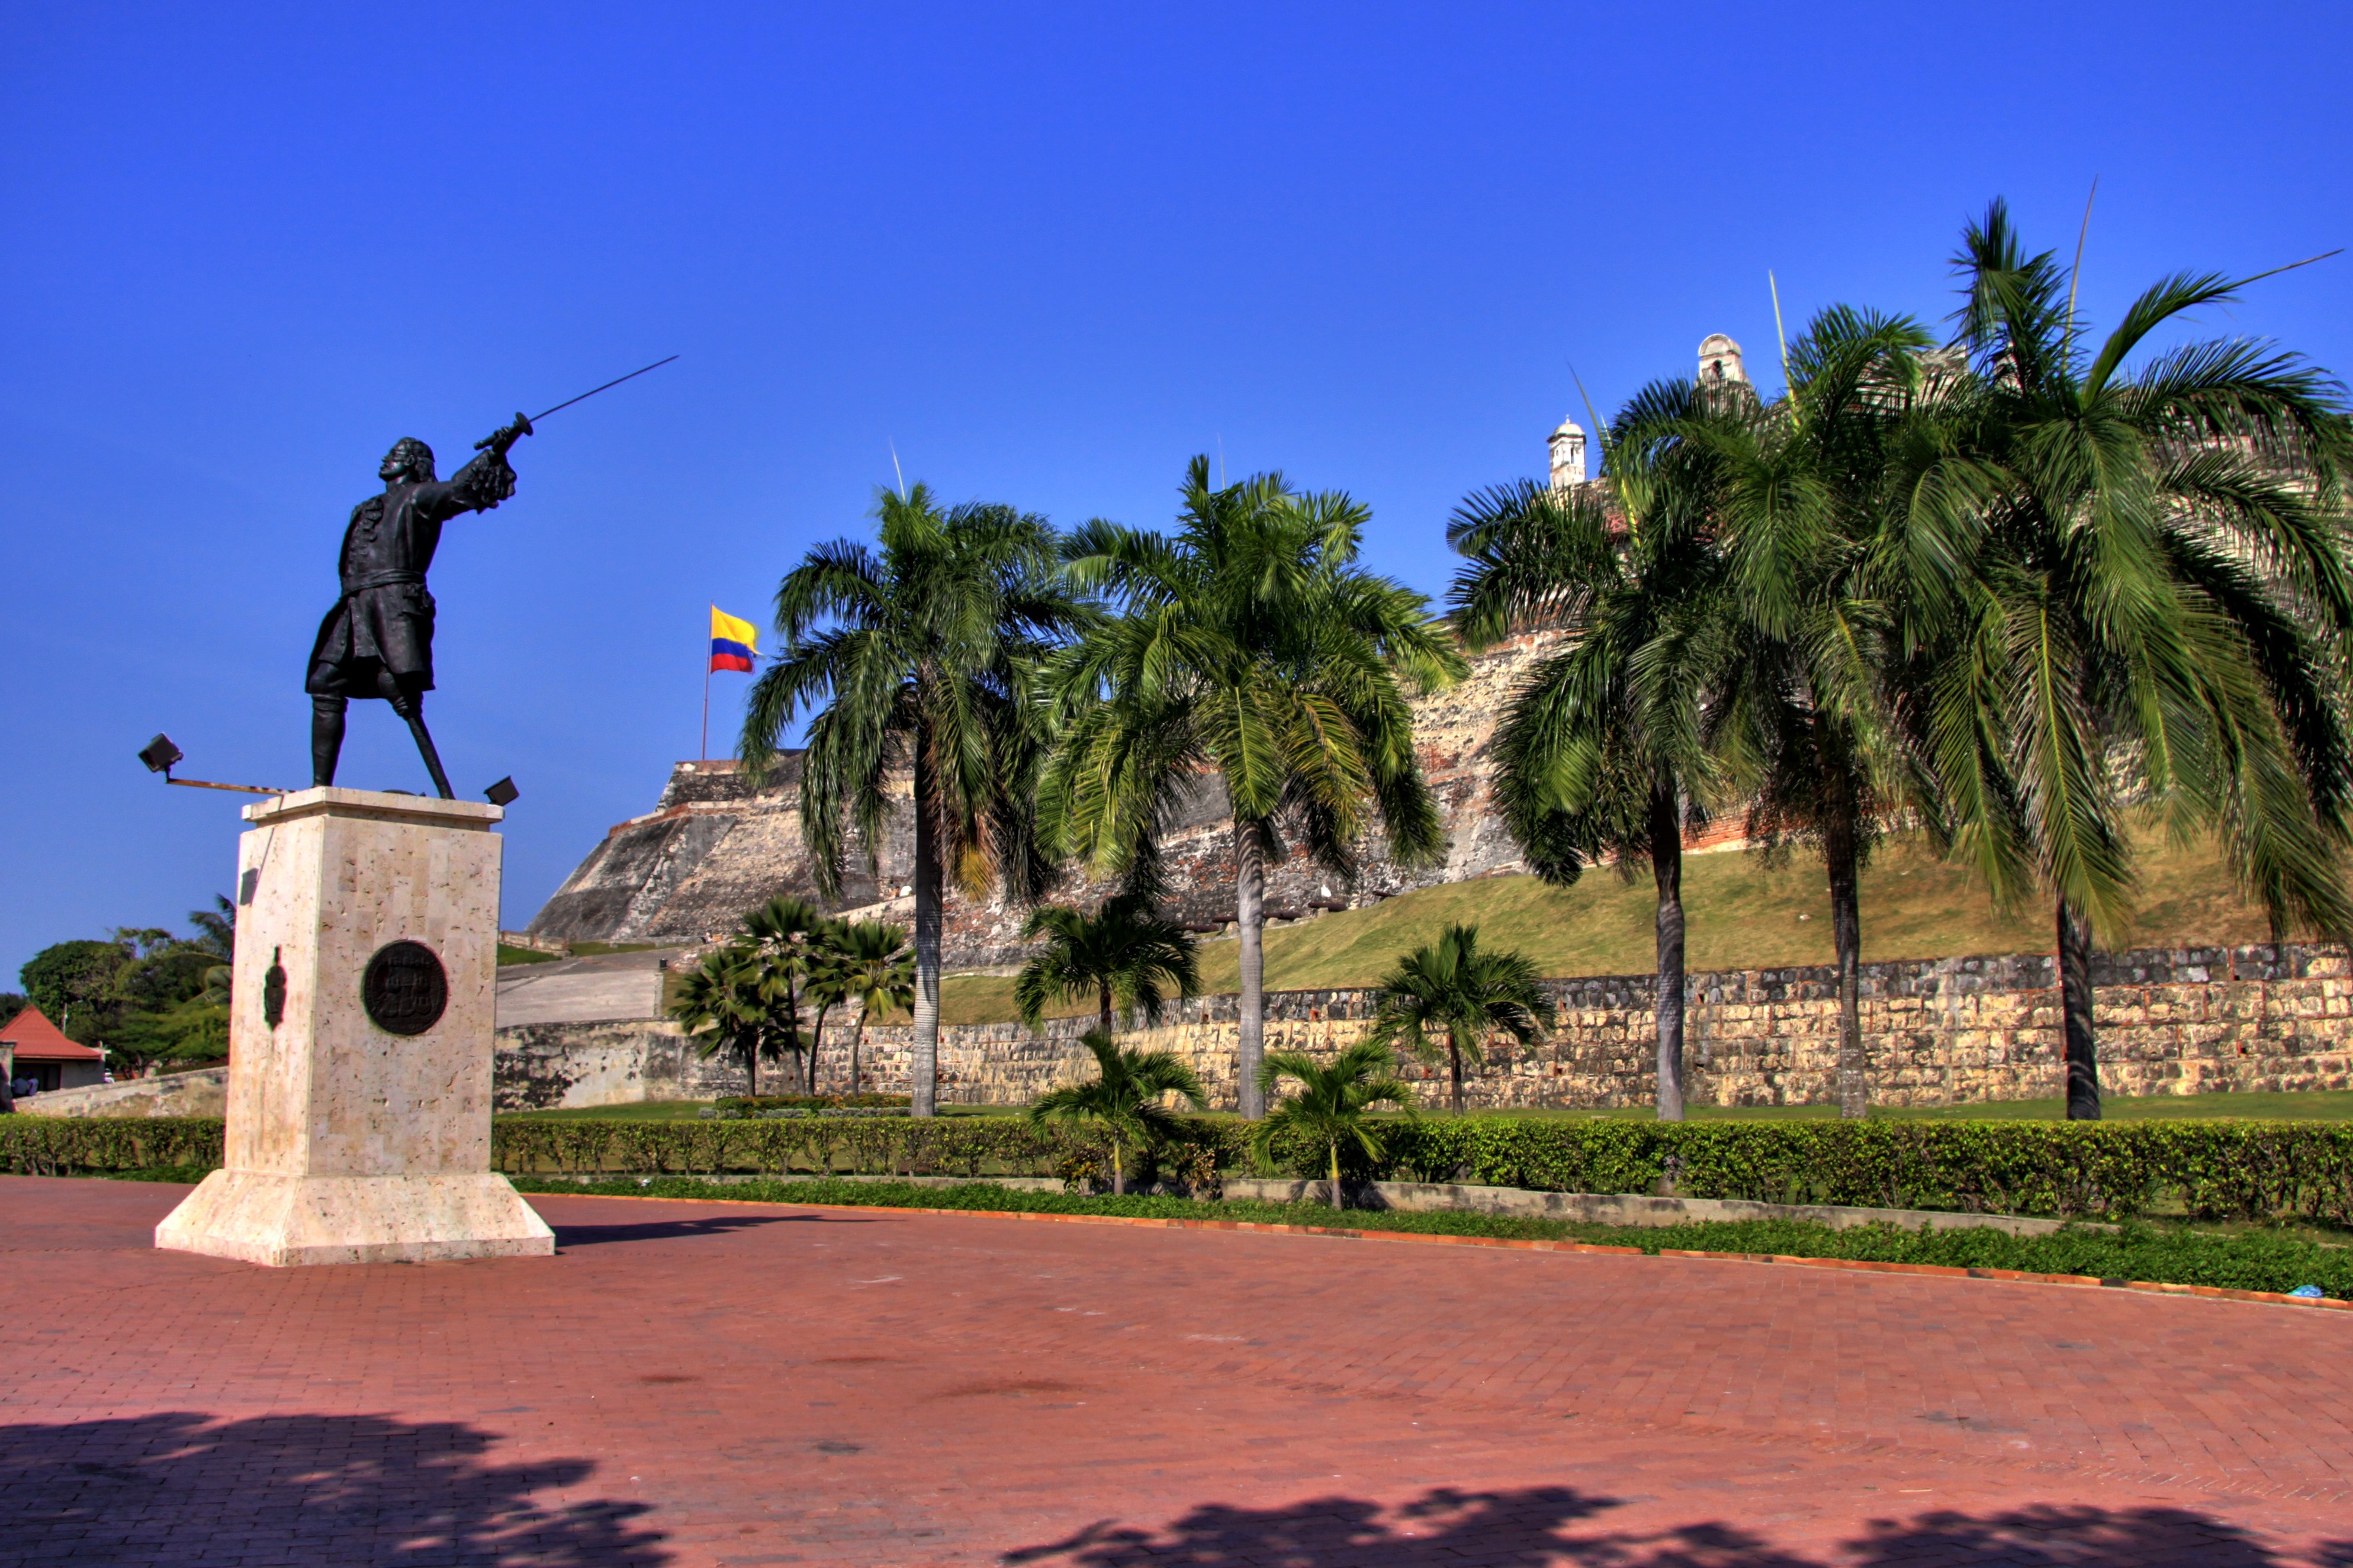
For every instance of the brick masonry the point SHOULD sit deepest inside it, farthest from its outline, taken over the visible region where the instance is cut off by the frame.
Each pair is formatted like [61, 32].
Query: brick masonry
[1949, 1031]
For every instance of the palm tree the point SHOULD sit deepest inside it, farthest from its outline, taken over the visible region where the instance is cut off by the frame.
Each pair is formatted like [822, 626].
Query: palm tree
[1126, 1100]
[1124, 953]
[725, 994]
[872, 965]
[2165, 594]
[1599, 755]
[919, 657]
[1254, 647]
[1331, 1103]
[1449, 997]
[1845, 522]
[783, 936]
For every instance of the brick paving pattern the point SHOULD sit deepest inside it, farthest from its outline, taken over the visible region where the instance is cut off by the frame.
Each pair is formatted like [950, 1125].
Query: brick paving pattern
[704, 1383]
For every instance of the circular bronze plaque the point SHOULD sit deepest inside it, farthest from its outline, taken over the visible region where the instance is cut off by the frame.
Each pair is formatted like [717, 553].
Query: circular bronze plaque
[404, 990]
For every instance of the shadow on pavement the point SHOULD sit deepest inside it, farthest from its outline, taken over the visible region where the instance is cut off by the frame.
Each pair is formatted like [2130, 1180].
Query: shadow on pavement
[660, 1230]
[180, 1488]
[1532, 1526]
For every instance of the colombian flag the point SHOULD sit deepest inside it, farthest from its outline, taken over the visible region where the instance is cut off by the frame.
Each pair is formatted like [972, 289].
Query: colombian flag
[734, 643]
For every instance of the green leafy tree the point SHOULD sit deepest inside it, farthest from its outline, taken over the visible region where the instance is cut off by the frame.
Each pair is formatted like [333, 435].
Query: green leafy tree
[919, 657]
[1332, 1103]
[2164, 612]
[75, 985]
[1599, 755]
[1253, 647]
[1449, 998]
[11, 1003]
[1127, 1099]
[872, 965]
[1125, 952]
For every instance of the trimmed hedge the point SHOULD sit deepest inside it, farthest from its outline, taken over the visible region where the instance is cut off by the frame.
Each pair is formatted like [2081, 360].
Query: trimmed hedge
[60, 1146]
[2233, 1170]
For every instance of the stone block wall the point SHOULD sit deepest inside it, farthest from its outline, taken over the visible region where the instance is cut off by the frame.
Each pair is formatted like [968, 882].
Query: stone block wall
[1938, 1032]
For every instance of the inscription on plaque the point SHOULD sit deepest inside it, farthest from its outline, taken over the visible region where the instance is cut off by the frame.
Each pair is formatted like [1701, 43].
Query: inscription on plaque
[405, 989]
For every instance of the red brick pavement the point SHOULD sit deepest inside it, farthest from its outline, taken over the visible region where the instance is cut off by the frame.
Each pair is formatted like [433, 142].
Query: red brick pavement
[714, 1384]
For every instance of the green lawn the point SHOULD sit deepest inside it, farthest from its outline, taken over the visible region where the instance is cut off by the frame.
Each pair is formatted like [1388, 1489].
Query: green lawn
[2253, 1259]
[1744, 913]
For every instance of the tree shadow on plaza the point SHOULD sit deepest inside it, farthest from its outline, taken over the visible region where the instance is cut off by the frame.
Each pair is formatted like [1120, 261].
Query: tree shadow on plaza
[182, 1488]
[1535, 1527]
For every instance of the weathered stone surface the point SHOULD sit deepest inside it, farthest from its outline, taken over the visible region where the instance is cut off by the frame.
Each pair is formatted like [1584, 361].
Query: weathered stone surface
[1942, 1032]
[712, 847]
[346, 1142]
[204, 1092]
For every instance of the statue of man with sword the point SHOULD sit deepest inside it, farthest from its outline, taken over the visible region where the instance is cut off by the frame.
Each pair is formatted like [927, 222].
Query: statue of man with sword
[378, 639]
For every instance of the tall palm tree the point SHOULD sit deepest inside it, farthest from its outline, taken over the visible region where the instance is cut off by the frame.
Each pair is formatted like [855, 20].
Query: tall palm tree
[1844, 520]
[1599, 755]
[918, 657]
[1330, 1106]
[1124, 952]
[2165, 595]
[872, 965]
[1251, 647]
[1449, 998]
[1127, 1098]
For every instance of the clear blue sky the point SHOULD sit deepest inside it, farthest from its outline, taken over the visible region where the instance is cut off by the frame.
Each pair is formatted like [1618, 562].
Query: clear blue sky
[1047, 251]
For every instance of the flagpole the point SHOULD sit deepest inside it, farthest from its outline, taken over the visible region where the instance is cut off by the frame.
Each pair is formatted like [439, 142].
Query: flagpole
[705, 755]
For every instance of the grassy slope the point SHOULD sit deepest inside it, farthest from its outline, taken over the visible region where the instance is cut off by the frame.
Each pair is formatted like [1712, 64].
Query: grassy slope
[1742, 914]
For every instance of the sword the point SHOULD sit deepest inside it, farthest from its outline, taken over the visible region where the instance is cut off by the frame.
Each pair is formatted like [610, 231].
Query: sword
[507, 437]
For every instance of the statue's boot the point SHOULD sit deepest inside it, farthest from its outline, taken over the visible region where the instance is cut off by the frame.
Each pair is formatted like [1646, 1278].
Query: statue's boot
[410, 705]
[326, 738]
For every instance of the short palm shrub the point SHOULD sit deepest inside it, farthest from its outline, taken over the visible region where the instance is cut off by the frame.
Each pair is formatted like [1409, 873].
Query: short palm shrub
[1329, 1109]
[1448, 999]
[1127, 1101]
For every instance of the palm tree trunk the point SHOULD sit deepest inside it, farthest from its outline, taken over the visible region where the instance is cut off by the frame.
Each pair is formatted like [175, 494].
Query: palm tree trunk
[923, 1055]
[1108, 1027]
[857, 1039]
[1841, 859]
[2082, 1042]
[1118, 1173]
[1454, 1072]
[751, 1066]
[1667, 876]
[1249, 915]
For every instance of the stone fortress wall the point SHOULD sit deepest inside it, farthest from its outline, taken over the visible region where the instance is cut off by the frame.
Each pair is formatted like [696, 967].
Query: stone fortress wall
[1938, 1032]
[713, 846]
[1952, 1030]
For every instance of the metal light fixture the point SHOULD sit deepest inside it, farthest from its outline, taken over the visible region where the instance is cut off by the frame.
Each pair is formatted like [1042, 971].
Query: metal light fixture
[503, 792]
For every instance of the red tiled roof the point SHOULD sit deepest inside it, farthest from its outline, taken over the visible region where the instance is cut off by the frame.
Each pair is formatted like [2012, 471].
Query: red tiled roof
[34, 1039]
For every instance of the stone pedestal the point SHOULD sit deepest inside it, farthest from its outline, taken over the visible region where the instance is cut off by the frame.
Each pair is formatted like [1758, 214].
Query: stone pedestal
[359, 1094]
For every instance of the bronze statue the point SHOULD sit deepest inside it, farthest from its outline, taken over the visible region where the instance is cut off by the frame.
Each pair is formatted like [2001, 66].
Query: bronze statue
[378, 639]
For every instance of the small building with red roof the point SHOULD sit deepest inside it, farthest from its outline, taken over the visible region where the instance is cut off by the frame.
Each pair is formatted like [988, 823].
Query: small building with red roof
[38, 1050]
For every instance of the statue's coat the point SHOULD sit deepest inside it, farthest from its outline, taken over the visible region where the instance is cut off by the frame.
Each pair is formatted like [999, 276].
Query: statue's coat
[385, 619]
